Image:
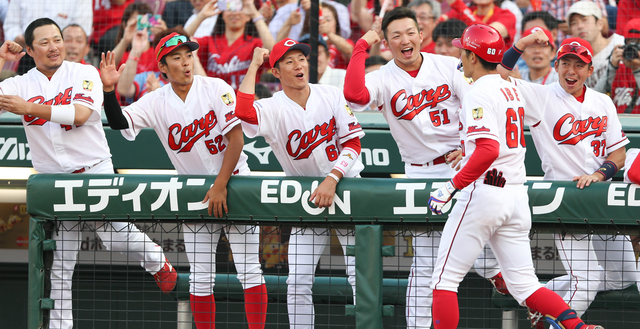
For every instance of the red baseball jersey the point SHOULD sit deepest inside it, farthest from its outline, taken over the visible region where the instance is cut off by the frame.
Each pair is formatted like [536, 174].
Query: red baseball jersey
[228, 62]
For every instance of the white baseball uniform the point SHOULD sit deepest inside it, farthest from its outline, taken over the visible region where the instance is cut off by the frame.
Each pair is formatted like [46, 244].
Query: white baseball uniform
[423, 119]
[494, 110]
[193, 134]
[574, 139]
[307, 142]
[632, 154]
[59, 148]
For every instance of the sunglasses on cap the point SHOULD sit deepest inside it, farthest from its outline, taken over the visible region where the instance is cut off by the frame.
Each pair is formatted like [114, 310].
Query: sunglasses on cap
[174, 41]
[581, 51]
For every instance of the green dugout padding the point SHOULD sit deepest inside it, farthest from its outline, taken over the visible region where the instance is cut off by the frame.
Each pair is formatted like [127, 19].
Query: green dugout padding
[285, 199]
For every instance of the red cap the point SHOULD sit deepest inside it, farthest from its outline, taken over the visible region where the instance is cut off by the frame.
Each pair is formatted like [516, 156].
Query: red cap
[282, 47]
[482, 40]
[538, 28]
[577, 47]
[632, 29]
[162, 49]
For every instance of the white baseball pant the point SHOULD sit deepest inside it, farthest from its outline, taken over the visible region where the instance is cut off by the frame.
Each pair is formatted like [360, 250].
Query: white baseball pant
[116, 236]
[305, 249]
[419, 296]
[593, 263]
[491, 215]
[201, 243]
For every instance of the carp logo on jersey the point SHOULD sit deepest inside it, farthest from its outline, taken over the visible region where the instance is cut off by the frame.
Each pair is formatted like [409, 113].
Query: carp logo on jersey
[570, 131]
[407, 107]
[300, 145]
[182, 139]
[63, 98]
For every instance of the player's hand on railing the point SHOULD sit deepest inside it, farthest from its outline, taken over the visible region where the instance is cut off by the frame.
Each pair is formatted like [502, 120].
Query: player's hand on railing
[536, 38]
[11, 51]
[441, 196]
[371, 37]
[217, 198]
[586, 180]
[108, 72]
[323, 195]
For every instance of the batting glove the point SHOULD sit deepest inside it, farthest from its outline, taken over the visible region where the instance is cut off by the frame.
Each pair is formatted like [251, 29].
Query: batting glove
[441, 196]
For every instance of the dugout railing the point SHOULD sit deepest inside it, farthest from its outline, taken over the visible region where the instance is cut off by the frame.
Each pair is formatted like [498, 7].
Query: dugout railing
[370, 205]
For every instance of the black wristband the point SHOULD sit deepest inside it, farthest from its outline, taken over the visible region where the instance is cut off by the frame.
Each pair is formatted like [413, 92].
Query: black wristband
[608, 170]
[112, 109]
[510, 58]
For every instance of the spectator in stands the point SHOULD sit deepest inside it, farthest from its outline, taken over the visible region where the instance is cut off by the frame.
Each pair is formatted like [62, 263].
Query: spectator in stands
[428, 14]
[538, 59]
[487, 12]
[627, 10]
[76, 43]
[443, 35]
[540, 18]
[560, 10]
[146, 61]
[326, 74]
[205, 24]
[329, 28]
[374, 63]
[585, 21]
[133, 85]
[513, 8]
[227, 53]
[177, 13]
[64, 12]
[622, 79]
[106, 20]
[291, 17]
[262, 91]
[4, 6]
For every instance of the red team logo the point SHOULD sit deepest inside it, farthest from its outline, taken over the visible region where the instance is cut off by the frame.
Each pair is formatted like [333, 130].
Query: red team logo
[570, 131]
[63, 98]
[182, 139]
[414, 104]
[300, 145]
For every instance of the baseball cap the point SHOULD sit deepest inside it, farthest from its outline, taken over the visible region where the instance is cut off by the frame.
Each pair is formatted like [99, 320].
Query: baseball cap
[538, 28]
[282, 47]
[632, 29]
[584, 8]
[307, 39]
[171, 42]
[577, 47]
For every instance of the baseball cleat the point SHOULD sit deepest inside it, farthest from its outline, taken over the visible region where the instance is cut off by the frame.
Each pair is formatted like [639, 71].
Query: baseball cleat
[166, 278]
[498, 283]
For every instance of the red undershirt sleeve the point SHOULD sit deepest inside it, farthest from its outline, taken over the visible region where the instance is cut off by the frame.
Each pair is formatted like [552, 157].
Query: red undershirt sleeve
[487, 151]
[244, 108]
[355, 90]
[353, 144]
[634, 171]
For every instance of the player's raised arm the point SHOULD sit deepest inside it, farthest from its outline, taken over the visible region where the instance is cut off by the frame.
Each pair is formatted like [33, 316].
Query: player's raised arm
[11, 52]
[512, 55]
[110, 76]
[609, 168]
[355, 90]
[247, 89]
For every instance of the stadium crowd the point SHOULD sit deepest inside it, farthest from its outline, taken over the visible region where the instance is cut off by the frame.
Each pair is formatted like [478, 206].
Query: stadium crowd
[227, 43]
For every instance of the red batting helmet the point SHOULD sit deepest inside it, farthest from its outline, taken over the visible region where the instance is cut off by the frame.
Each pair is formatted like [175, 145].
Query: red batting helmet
[482, 40]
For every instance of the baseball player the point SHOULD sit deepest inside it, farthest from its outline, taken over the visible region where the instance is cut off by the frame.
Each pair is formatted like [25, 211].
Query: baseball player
[491, 182]
[59, 103]
[632, 167]
[194, 119]
[312, 132]
[418, 94]
[578, 137]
